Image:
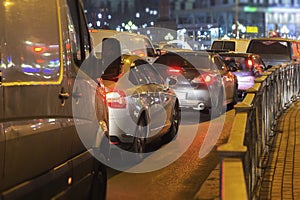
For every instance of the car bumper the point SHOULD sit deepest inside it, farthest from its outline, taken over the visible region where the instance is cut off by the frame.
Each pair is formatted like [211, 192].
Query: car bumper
[193, 98]
[121, 125]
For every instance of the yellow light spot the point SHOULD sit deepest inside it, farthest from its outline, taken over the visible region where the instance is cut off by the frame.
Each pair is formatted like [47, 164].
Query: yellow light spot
[69, 180]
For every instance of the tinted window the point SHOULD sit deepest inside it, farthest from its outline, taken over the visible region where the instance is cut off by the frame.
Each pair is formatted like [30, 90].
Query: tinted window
[269, 47]
[144, 73]
[217, 45]
[186, 60]
[30, 32]
[229, 45]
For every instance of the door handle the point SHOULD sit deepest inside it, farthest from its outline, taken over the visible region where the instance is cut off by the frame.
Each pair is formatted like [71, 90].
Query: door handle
[63, 96]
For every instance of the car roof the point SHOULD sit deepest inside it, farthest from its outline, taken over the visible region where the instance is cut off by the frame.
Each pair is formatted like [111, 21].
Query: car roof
[273, 39]
[232, 39]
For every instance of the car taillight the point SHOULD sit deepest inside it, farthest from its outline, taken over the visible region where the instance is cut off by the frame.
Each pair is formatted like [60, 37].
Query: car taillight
[174, 71]
[249, 63]
[116, 99]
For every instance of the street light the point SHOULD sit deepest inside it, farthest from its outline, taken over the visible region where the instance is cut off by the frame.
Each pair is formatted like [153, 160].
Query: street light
[236, 18]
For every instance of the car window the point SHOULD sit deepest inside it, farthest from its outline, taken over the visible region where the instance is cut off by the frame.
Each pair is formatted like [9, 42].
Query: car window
[82, 48]
[217, 45]
[218, 63]
[32, 52]
[257, 59]
[144, 73]
[238, 61]
[149, 48]
[269, 47]
[229, 45]
[186, 61]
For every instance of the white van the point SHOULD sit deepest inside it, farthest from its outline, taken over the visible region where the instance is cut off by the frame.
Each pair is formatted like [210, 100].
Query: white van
[237, 45]
[131, 43]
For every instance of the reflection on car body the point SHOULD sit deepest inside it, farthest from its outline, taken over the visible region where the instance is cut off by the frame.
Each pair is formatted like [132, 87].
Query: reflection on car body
[203, 80]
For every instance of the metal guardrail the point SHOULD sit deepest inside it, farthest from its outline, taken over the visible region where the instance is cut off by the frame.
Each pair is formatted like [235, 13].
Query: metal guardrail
[244, 156]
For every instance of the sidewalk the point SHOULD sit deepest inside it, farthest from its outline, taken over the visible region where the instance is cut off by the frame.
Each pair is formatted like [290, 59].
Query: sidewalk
[281, 178]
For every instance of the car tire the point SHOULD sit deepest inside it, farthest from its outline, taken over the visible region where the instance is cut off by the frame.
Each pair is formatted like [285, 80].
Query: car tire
[99, 182]
[235, 98]
[139, 141]
[218, 109]
[175, 117]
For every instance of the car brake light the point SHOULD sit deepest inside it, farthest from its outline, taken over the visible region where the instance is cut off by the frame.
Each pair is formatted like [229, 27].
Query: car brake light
[249, 63]
[175, 71]
[116, 99]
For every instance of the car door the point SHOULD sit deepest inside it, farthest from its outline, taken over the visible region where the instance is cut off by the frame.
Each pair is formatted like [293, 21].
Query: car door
[227, 77]
[2, 136]
[36, 119]
[159, 101]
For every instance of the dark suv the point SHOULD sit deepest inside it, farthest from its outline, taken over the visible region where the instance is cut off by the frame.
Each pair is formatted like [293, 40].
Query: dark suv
[52, 116]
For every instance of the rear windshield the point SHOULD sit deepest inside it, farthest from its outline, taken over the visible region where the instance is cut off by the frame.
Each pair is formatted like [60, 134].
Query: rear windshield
[29, 41]
[187, 61]
[228, 45]
[269, 47]
[130, 45]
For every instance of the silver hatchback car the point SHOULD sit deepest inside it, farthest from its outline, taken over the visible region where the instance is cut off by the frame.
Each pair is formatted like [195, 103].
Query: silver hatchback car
[141, 106]
[203, 80]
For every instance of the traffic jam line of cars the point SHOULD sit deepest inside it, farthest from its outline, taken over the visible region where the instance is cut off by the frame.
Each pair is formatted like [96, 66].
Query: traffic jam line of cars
[71, 97]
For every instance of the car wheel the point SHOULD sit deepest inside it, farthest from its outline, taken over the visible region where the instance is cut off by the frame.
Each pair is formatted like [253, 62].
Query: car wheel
[139, 141]
[175, 117]
[235, 98]
[99, 182]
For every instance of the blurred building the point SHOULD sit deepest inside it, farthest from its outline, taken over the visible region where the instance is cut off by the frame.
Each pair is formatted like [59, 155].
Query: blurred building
[237, 18]
[121, 14]
[201, 20]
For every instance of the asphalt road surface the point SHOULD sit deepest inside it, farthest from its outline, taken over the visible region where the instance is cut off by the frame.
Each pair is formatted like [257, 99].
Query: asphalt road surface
[178, 169]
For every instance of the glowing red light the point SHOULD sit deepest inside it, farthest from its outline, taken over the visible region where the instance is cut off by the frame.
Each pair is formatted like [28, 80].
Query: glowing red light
[249, 63]
[174, 70]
